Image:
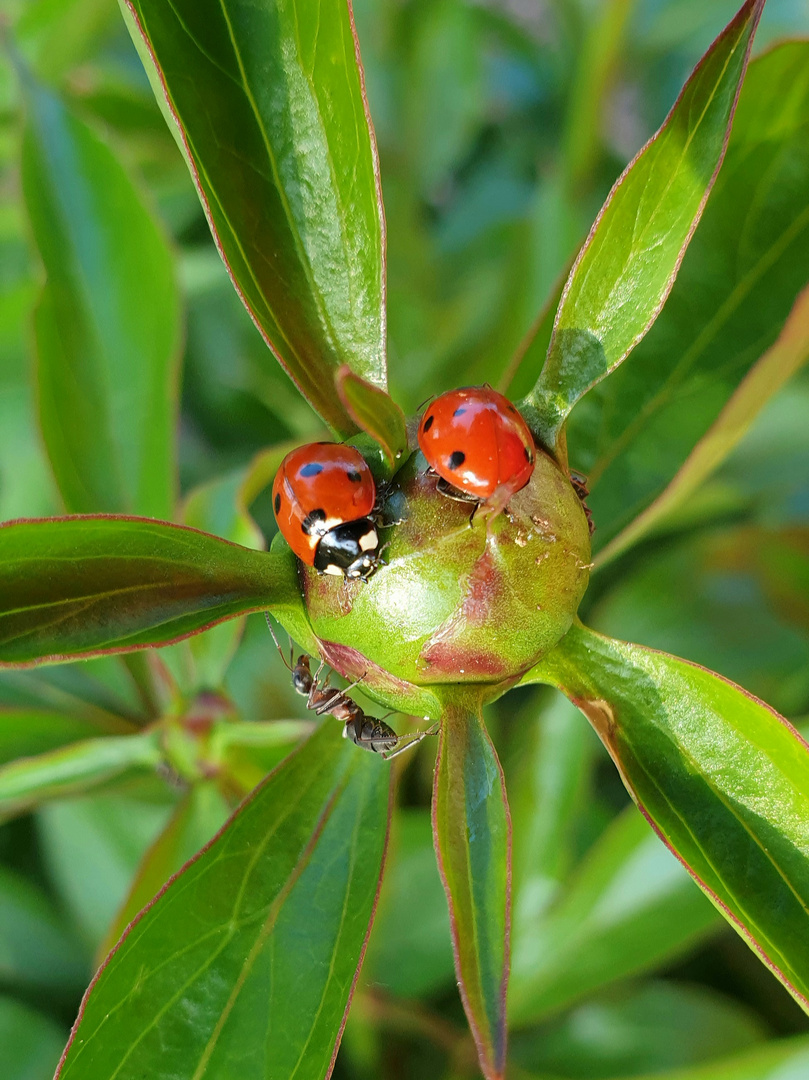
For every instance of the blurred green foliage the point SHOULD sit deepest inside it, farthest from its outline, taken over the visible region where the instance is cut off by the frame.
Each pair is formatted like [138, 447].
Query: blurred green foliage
[501, 126]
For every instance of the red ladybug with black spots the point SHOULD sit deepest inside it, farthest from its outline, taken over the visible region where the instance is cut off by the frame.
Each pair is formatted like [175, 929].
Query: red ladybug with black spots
[479, 445]
[324, 496]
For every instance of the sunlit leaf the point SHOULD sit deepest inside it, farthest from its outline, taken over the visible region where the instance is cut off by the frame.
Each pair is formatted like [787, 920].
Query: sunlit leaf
[374, 412]
[734, 329]
[255, 964]
[78, 586]
[268, 103]
[723, 779]
[472, 833]
[626, 269]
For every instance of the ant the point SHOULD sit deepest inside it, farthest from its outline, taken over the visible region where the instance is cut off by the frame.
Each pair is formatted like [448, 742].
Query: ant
[364, 731]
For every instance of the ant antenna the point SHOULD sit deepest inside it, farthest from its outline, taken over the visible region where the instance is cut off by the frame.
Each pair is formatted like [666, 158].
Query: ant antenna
[287, 664]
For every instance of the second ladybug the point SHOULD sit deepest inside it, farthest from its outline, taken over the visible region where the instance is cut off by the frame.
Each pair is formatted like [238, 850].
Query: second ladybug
[323, 497]
[479, 445]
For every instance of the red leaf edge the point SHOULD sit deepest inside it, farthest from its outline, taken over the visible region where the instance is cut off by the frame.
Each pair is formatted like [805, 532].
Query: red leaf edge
[245, 802]
[483, 1058]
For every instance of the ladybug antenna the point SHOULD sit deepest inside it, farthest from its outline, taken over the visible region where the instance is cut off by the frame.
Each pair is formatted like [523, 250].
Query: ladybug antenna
[429, 397]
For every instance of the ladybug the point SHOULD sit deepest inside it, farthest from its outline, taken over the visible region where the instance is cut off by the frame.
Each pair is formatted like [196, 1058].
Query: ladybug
[323, 497]
[479, 445]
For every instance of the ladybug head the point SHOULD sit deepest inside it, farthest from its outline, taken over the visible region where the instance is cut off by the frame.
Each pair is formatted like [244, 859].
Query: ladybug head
[349, 550]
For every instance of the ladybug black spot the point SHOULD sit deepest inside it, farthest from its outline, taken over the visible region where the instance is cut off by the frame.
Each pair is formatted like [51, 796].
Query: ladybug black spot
[456, 459]
[310, 523]
[460, 410]
[354, 476]
[311, 468]
[428, 423]
[278, 502]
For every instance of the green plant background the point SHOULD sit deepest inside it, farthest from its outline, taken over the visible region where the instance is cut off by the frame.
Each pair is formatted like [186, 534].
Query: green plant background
[501, 128]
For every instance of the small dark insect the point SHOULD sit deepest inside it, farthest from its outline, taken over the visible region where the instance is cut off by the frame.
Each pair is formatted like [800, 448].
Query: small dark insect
[579, 483]
[364, 731]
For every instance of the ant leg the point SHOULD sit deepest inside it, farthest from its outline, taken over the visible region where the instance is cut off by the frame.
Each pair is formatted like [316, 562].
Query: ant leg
[408, 741]
[357, 683]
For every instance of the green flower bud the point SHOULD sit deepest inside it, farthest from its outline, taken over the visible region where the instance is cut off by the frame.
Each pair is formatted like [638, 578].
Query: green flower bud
[457, 602]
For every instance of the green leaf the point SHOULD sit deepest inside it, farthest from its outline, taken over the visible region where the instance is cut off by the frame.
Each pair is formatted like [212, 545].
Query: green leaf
[723, 779]
[35, 948]
[268, 103]
[30, 1043]
[472, 835]
[720, 348]
[83, 585]
[727, 598]
[216, 507]
[251, 953]
[410, 957]
[628, 907]
[25, 732]
[201, 813]
[108, 320]
[93, 846]
[605, 33]
[374, 412]
[637, 1029]
[781, 1059]
[547, 773]
[74, 769]
[628, 265]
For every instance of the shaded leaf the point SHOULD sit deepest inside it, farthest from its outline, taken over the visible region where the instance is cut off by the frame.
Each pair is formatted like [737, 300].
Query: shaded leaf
[714, 605]
[374, 412]
[77, 586]
[93, 846]
[268, 103]
[547, 773]
[723, 779]
[762, 381]
[714, 357]
[35, 948]
[781, 1059]
[74, 769]
[627, 267]
[410, 952]
[200, 814]
[255, 964]
[25, 732]
[216, 507]
[628, 907]
[30, 1043]
[108, 320]
[472, 835]
[638, 1029]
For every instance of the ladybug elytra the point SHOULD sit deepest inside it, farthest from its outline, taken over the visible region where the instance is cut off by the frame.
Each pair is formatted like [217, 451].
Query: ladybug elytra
[323, 497]
[479, 445]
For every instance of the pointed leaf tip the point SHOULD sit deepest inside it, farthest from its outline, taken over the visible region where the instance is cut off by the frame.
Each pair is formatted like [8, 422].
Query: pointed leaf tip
[628, 264]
